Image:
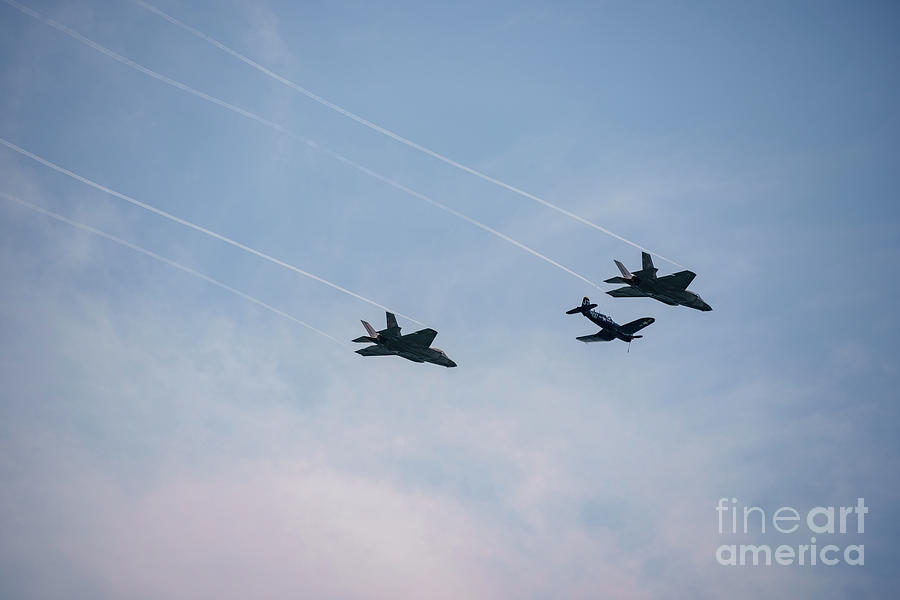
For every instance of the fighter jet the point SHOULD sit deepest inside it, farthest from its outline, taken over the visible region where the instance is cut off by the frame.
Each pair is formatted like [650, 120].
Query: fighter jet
[413, 346]
[609, 329]
[671, 289]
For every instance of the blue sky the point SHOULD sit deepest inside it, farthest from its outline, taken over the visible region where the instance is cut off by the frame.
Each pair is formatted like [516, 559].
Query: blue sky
[163, 438]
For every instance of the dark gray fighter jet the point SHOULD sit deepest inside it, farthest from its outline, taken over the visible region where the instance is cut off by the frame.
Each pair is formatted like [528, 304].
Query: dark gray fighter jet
[671, 289]
[609, 329]
[412, 346]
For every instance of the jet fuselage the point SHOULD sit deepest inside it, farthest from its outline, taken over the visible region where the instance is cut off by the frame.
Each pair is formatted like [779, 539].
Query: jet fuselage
[650, 286]
[415, 353]
[414, 346]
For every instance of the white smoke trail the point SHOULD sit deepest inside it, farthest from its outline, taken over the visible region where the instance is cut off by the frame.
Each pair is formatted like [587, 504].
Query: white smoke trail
[284, 130]
[195, 227]
[374, 126]
[169, 262]
[458, 214]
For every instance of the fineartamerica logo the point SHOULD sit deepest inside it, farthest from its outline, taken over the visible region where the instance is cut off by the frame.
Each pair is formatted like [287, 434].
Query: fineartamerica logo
[821, 520]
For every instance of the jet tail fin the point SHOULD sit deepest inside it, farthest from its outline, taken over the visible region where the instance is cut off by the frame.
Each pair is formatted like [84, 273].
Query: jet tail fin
[626, 274]
[586, 305]
[370, 329]
[391, 320]
[647, 268]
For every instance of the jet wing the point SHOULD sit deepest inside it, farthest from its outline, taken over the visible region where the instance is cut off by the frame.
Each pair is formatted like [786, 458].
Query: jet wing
[627, 292]
[423, 337]
[374, 351]
[604, 335]
[679, 280]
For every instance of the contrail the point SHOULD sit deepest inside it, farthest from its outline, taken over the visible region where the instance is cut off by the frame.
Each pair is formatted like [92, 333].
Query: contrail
[195, 227]
[374, 126]
[169, 262]
[280, 128]
[456, 213]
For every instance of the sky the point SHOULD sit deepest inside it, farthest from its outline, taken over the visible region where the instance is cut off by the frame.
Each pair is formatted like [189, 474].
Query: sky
[161, 436]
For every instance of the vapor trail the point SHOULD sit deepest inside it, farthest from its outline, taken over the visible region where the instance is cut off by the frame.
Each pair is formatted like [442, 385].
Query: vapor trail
[458, 214]
[374, 126]
[194, 226]
[169, 262]
[286, 131]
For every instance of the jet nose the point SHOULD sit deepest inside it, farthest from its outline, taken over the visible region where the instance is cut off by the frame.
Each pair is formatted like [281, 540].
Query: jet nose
[450, 363]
